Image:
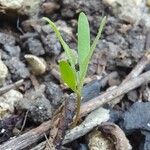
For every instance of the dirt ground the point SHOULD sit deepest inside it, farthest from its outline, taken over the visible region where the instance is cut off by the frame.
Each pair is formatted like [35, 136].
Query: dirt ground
[37, 109]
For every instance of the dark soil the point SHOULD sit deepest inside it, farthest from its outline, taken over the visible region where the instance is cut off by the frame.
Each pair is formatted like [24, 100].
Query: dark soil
[120, 49]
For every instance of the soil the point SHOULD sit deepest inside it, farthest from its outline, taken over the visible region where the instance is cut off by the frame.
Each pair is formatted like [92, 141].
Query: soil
[123, 43]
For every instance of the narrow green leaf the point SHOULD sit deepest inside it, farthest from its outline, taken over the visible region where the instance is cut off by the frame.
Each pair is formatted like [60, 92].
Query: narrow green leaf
[86, 62]
[83, 39]
[68, 51]
[68, 74]
[74, 56]
[103, 22]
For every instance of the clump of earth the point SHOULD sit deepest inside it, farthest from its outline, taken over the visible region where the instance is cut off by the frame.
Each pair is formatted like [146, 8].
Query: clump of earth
[29, 50]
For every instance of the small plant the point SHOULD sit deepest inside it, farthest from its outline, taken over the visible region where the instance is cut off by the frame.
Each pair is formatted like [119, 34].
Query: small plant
[70, 75]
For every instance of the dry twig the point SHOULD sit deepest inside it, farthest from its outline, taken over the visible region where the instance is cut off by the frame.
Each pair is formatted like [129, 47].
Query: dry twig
[37, 134]
[27, 139]
[114, 93]
[11, 86]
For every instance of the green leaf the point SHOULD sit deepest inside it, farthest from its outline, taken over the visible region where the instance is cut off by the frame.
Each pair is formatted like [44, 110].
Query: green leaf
[68, 75]
[74, 56]
[83, 40]
[103, 22]
[86, 62]
[68, 51]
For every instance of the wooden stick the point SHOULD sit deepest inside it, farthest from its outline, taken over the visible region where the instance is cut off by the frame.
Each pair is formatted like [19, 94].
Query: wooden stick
[40, 146]
[103, 98]
[114, 93]
[37, 134]
[93, 120]
[81, 131]
[139, 67]
[11, 86]
[27, 139]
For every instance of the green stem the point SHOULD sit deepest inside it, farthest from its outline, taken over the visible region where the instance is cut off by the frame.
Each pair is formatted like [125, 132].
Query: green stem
[78, 109]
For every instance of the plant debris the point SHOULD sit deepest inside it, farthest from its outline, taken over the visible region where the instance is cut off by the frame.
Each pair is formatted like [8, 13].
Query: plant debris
[37, 109]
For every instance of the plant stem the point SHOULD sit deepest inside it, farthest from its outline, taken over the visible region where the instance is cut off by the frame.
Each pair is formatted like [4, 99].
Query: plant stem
[78, 109]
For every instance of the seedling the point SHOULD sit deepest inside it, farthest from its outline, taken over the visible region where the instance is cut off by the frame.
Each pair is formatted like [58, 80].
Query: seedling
[70, 75]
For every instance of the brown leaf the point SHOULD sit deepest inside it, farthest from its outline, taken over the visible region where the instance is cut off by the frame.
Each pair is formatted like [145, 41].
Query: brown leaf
[61, 122]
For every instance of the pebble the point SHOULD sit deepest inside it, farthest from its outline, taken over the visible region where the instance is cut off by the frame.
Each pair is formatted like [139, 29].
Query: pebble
[39, 107]
[34, 46]
[11, 4]
[49, 7]
[130, 11]
[12, 50]
[37, 64]
[137, 117]
[8, 101]
[7, 39]
[30, 8]
[54, 93]
[97, 141]
[40, 110]
[70, 8]
[91, 90]
[17, 68]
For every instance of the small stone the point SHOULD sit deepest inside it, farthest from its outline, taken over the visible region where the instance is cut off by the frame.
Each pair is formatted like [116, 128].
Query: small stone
[132, 95]
[39, 107]
[49, 7]
[7, 39]
[37, 64]
[54, 93]
[131, 11]
[70, 8]
[27, 26]
[7, 102]
[12, 51]
[97, 141]
[17, 68]
[137, 117]
[35, 47]
[91, 90]
[51, 44]
[40, 110]
[30, 8]
[11, 4]
[3, 72]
